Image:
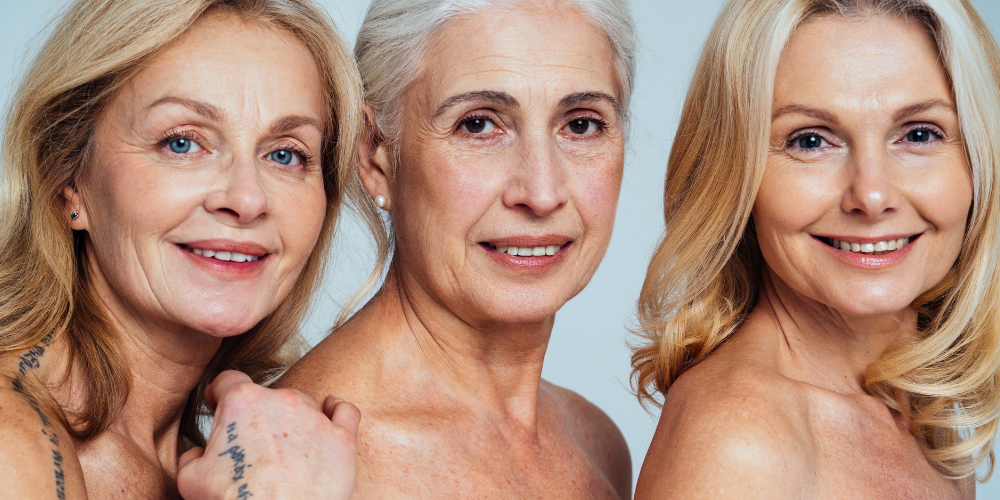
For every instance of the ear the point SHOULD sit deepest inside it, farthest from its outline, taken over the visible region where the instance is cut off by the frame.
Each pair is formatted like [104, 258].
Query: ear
[374, 165]
[73, 204]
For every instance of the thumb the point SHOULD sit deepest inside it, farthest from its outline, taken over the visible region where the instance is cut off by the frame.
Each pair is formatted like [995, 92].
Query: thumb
[342, 413]
[189, 456]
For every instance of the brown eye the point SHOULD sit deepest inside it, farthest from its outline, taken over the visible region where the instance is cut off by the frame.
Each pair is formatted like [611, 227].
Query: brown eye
[582, 126]
[478, 126]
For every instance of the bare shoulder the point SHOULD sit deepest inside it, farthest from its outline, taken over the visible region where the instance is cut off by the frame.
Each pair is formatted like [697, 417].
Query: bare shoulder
[599, 435]
[731, 430]
[37, 459]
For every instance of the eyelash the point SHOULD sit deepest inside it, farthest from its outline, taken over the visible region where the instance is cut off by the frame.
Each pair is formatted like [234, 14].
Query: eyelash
[602, 124]
[172, 135]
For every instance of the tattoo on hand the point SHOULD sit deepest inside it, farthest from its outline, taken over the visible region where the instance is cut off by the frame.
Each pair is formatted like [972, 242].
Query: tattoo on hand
[238, 455]
[27, 362]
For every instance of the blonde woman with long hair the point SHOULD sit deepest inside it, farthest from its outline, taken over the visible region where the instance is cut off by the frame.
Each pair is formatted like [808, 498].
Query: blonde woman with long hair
[172, 175]
[821, 316]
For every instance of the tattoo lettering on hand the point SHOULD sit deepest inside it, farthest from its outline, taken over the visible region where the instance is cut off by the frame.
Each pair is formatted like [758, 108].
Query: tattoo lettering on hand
[238, 455]
[28, 361]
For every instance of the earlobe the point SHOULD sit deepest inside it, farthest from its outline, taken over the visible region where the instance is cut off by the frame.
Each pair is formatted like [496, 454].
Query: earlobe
[374, 168]
[73, 207]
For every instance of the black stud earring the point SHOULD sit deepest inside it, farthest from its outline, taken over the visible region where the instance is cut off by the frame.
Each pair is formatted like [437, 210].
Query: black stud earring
[74, 216]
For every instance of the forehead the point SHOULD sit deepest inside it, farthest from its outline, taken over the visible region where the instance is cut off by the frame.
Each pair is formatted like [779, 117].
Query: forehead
[529, 50]
[235, 65]
[879, 59]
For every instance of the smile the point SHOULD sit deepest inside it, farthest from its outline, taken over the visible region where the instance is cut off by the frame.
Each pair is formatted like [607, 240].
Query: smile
[225, 256]
[527, 251]
[874, 248]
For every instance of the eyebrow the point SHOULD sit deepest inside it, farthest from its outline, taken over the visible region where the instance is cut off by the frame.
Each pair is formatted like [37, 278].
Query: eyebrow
[293, 122]
[495, 97]
[202, 108]
[805, 110]
[920, 107]
[574, 100]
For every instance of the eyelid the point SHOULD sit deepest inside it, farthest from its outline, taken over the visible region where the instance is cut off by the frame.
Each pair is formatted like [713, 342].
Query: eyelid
[305, 158]
[181, 133]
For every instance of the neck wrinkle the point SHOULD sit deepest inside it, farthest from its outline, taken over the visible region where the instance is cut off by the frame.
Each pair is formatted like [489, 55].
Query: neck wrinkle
[823, 347]
[496, 368]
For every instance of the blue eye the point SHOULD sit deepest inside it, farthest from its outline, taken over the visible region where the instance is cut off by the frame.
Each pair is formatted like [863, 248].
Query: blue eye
[810, 141]
[285, 157]
[919, 135]
[180, 146]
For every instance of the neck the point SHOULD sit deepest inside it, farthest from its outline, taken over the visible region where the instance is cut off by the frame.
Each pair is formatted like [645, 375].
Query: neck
[822, 346]
[482, 363]
[165, 362]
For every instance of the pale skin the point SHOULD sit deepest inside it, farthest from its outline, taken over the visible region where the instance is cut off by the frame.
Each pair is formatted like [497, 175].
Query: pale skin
[865, 144]
[511, 136]
[206, 147]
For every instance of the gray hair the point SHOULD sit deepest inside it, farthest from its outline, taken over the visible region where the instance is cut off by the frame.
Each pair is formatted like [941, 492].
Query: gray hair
[395, 33]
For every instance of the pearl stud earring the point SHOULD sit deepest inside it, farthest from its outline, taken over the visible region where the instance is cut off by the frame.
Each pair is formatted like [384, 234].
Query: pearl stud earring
[380, 201]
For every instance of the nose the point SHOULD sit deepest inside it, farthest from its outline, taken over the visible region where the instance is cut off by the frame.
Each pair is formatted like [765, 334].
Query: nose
[539, 183]
[240, 196]
[872, 188]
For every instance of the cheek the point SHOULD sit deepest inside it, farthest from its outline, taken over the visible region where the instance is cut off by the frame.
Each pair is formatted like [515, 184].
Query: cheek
[299, 212]
[790, 199]
[595, 193]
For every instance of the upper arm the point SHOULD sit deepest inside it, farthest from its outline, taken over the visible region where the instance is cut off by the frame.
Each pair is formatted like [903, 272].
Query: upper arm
[722, 445]
[36, 456]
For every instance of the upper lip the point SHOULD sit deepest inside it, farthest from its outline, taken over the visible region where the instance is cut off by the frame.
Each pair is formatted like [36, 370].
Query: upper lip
[867, 239]
[243, 247]
[530, 241]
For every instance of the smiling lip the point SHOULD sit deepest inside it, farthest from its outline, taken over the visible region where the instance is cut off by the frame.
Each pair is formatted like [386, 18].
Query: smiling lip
[869, 261]
[528, 254]
[226, 256]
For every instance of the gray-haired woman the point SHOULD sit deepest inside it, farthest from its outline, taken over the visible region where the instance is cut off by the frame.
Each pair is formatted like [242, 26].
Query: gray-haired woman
[497, 147]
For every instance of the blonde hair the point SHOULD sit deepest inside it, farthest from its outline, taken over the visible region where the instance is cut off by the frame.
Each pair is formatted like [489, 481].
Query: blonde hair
[389, 51]
[94, 49]
[704, 277]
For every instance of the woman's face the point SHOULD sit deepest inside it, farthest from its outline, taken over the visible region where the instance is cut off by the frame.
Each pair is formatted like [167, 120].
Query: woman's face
[866, 193]
[204, 196]
[511, 144]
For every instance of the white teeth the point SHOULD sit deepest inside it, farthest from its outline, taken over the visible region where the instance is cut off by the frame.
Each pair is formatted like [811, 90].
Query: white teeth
[881, 246]
[529, 251]
[197, 251]
[209, 253]
[238, 257]
[226, 256]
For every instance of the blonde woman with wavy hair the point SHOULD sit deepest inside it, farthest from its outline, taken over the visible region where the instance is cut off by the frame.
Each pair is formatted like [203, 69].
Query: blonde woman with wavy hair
[172, 176]
[820, 318]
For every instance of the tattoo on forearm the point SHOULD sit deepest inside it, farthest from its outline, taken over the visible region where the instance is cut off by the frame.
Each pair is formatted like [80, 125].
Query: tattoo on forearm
[240, 465]
[27, 362]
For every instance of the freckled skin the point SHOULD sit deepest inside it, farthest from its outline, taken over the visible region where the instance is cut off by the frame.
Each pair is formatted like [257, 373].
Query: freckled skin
[780, 410]
[445, 362]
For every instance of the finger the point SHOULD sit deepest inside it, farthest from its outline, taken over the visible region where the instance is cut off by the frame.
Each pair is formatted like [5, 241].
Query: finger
[342, 413]
[302, 395]
[189, 456]
[222, 384]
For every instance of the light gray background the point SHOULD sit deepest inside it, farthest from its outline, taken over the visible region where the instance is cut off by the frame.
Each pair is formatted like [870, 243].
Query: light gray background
[588, 351]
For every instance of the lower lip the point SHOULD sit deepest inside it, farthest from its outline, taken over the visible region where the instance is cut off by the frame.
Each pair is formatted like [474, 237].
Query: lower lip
[227, 268]
[538, 265]
[870, 261]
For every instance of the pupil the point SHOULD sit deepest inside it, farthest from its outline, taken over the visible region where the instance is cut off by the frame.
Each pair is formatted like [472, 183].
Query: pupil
[919, 136]
[475, 126]
[809, 142]
[579, 126]
[180, 146]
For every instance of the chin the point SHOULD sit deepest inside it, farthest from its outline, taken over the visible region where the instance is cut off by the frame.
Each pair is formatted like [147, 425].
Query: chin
[224, 322]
